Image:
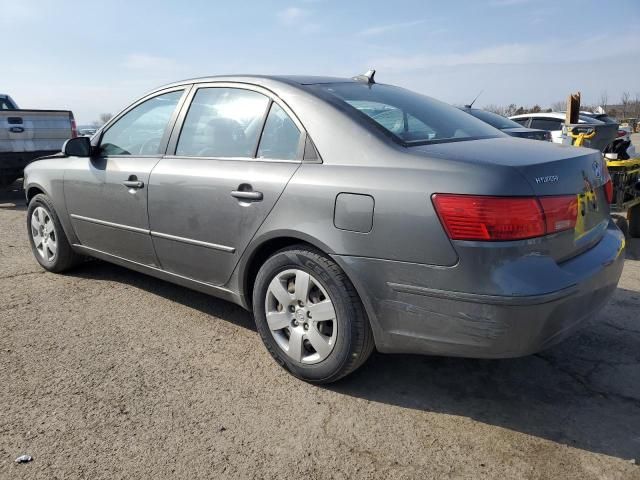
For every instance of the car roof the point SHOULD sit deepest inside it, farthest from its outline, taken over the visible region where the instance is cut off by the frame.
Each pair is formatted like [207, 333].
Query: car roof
[262, 79]
[558, 115]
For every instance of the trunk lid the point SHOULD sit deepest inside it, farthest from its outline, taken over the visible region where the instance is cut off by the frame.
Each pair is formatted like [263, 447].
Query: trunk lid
[550, 170]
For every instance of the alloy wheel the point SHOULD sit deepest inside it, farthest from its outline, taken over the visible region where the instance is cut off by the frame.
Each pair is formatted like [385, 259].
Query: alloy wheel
[301, 316]
[44, 235]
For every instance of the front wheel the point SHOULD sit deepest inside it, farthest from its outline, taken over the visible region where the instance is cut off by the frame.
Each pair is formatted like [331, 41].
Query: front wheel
[47, 238]
[309, 315]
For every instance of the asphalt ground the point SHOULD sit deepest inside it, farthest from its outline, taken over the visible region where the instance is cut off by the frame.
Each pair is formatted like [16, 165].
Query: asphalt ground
[108, 373]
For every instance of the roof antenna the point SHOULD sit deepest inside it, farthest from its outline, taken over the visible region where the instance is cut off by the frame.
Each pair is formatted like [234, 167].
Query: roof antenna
[367, 77]
[474, 100]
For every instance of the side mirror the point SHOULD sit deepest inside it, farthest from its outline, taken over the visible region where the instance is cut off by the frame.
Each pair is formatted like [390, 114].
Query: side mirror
[77, 147]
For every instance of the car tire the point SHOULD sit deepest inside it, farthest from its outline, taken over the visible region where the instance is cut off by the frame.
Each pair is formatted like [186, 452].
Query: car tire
[47, 238]
[345, 341]
[633, 215]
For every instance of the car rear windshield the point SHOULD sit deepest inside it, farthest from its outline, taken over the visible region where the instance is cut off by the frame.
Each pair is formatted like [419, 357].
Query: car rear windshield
[409, 118]
[493, 119]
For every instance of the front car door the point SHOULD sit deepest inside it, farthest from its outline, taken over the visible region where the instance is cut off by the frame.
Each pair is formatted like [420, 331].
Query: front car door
[106, 195]
[231, 154]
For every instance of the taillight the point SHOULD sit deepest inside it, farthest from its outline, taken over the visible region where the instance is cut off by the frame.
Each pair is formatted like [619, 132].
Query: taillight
[608, 190]
[560, 213]
[74, 127]
[472, 217]
[621, 133]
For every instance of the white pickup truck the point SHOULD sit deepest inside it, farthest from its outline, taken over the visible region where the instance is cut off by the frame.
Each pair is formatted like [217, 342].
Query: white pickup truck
[28, 134]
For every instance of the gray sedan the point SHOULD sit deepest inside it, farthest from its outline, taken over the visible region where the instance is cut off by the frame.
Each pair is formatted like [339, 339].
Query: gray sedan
[347, 215]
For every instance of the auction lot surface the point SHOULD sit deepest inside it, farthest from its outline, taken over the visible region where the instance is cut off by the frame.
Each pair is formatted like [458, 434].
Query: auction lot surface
[108, 373]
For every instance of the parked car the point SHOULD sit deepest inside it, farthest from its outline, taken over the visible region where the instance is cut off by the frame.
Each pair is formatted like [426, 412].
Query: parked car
[86, 131]
[553, 122]
[344, 213]
[508, 126]
[28, 134]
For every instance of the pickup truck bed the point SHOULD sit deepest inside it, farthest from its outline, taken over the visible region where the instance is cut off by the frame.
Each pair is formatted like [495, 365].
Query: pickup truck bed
[28, 134]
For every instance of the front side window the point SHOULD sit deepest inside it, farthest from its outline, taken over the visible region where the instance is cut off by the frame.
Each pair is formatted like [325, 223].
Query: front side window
[280, 137]
[222, 122]
[410, 118]
[140, 130]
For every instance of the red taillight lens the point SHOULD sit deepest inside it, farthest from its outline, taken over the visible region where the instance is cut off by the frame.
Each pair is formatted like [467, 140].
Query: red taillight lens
[608, 190]
[74, 127]
[621, 133]
[560, 213]
[471, 217]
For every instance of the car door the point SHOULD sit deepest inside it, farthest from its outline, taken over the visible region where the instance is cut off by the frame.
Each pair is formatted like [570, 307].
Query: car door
[106, 195]
[232, 153]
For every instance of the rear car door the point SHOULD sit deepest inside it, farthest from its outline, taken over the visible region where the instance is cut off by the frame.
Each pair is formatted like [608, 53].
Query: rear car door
[106, 195]
[232, 153]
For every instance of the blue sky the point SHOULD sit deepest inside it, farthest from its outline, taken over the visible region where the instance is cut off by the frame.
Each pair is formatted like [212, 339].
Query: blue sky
[98, 56]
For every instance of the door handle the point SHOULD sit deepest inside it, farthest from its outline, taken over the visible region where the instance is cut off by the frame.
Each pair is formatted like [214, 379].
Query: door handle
[247, 195]
[133, 183]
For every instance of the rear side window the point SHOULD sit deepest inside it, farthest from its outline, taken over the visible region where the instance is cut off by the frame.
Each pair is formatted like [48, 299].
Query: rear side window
[280, 137]
[408, 117]
[549, 124]
[223, 122]
[140, 130]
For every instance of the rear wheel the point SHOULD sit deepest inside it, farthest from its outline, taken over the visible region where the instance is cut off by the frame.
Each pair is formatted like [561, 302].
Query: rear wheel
[633, 215]
[309, 316]
[48, 240]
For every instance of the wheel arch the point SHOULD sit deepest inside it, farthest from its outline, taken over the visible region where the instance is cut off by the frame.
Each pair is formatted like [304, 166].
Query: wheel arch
[32, 190]
[263, 248]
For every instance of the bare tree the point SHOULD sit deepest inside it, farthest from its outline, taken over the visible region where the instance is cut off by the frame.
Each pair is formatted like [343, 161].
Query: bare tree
[559, 106]
[604, 99]
[625, 100]
[636, 104]
[510, 110]
[105, 117]
[495, 109]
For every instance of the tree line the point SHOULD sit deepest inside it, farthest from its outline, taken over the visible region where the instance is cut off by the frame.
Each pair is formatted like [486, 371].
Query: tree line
[628, 107]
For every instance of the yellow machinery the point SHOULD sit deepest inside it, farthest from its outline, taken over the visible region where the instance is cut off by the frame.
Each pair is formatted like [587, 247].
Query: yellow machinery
[625, 175]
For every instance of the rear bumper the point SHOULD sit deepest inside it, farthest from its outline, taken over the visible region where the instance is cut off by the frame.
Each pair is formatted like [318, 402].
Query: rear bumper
[409, 315]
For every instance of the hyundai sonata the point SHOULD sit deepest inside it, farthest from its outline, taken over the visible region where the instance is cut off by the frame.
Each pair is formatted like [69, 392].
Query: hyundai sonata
[344, 213]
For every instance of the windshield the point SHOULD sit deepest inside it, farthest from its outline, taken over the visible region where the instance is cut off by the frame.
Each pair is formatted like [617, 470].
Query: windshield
[493, 119]
[409, 118]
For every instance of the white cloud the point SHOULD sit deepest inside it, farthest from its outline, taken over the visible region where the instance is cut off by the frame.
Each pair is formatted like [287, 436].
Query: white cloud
[381, 29]
[553, 51]
[291, 15]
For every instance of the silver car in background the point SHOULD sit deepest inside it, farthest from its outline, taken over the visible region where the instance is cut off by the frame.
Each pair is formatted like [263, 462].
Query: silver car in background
[345, 214]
